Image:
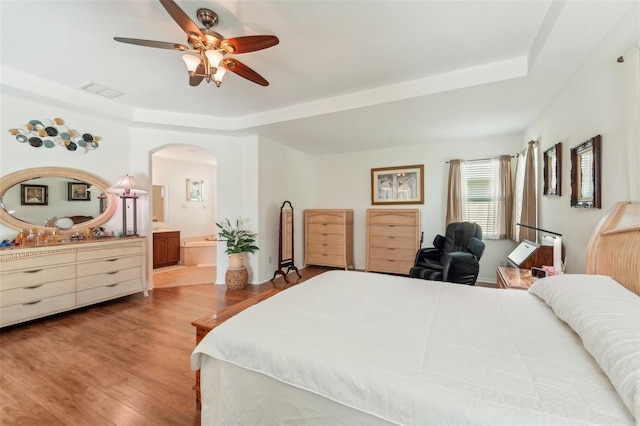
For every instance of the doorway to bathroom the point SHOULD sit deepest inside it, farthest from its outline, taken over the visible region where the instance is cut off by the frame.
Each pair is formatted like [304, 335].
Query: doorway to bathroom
[184, 208]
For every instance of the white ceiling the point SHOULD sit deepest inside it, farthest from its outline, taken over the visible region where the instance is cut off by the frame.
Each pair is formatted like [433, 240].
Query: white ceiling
[346, 76]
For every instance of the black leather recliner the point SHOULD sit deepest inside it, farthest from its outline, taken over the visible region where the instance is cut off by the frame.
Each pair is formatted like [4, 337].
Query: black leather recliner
[454, 257]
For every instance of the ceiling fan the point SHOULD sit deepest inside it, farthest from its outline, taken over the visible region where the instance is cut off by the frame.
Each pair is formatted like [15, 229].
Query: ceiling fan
[210, 47]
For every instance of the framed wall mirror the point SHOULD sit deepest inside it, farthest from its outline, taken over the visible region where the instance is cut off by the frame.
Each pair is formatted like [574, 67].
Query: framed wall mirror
[553, 171]
[586, 174]
[90, 213]
[285, 242]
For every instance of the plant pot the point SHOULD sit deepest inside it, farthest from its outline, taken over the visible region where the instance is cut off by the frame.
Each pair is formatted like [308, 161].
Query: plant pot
[235, 261]
[236, 278]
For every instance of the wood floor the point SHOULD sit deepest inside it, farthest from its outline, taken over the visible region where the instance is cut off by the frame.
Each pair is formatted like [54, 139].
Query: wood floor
[123, 362]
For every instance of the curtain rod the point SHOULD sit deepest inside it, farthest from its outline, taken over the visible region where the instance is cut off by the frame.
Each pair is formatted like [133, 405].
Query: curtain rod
[483, 159]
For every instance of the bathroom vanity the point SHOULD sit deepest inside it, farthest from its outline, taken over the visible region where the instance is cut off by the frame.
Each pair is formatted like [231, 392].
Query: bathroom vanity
[166, 248]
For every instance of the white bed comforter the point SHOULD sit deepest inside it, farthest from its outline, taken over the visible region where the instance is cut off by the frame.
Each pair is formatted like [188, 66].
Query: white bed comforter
[417, 352]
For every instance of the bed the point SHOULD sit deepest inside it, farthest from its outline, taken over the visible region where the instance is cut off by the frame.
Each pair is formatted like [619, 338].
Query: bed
[355, 348]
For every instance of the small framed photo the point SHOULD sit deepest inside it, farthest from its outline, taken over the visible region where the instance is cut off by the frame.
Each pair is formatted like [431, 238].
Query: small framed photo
[78, 191]
[397, 185]
[34, 195]
[194, 190]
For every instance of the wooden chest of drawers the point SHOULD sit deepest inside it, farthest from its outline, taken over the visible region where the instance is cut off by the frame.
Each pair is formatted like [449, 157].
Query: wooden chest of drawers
[328, 237]
[393, 239]
[40, 281]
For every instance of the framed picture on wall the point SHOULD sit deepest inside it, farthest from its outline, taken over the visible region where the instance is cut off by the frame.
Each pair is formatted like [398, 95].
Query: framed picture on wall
[78, 191]
[194, 190]
[34, 195]
[397, 185]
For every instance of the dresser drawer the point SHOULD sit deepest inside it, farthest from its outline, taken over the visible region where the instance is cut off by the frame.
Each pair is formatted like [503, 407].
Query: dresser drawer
[393, 230]
[389, 265]
[38, 261]
[325, 248]
[98, 294]
[108, 278]
[391, 253]
[109, 253]
[22, 312]
[325, 229]
[108, 265]
[394, 242]
[325, 239]
[37, 292]
[325, 259]
[393, 217]
[36, 276]
[326, 218]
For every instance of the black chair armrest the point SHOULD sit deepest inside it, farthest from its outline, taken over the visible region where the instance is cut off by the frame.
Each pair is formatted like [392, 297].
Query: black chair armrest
[476, 246]
[428, 257]
[460, 267]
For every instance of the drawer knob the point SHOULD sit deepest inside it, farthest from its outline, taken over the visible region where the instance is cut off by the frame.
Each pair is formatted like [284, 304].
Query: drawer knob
[112, 285]
[32, 303]
[112, 273]
[33, 271]
[112, 260]
[32, 287]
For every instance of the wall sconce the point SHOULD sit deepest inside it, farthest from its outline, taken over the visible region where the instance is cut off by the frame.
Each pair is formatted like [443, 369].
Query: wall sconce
[123, 188]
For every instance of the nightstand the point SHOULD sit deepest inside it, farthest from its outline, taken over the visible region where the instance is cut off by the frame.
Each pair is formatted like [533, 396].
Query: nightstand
[514, 278]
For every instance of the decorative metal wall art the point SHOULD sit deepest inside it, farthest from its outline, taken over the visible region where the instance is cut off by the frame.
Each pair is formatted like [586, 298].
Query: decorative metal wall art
[49, 133]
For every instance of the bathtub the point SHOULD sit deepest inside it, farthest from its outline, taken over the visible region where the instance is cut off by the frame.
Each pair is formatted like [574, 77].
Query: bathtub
[198, 251]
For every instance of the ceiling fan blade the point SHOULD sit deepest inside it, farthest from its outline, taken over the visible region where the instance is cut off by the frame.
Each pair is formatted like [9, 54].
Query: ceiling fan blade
[249, 43]
[182, 19]
[197, 79]
[242, 70]
[152, 43]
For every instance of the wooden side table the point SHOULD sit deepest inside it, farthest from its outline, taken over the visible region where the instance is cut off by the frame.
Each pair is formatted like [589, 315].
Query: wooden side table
[514, 278]
[207, 323]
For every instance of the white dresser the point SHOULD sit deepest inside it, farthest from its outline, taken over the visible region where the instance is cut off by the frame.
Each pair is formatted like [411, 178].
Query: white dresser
[40, 281]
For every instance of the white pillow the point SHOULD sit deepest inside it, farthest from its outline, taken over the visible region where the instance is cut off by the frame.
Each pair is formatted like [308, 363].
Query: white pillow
[606, 316]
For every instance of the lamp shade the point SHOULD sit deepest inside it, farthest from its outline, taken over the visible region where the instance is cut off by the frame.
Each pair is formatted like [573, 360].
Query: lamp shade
[219, 74]
[125, 185]
[214, 57]
[191, 61]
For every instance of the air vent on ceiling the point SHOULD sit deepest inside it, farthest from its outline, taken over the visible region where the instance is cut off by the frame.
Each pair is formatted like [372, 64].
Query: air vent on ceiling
[101, 90]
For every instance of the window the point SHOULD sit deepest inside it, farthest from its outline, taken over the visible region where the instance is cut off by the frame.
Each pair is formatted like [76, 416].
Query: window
[487, 196]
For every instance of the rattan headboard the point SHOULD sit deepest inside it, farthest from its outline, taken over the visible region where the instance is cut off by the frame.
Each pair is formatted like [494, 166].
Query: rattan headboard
[614, 248]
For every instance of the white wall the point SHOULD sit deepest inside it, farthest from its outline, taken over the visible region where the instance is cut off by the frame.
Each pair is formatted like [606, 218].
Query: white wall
[284, 175]
[237, 177]
[191, 218]
[109, 161]
[344, 181]
[593, 102]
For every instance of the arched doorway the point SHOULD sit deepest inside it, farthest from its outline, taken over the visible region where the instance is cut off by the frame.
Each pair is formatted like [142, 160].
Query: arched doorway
[184, 201]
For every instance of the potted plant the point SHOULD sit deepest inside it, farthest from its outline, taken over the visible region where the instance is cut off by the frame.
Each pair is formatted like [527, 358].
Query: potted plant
[239, 241]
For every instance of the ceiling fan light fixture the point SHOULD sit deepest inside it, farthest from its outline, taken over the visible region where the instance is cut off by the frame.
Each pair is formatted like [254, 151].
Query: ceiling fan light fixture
[217, 77]
[214, 57]
[228, 47]
[192, 62]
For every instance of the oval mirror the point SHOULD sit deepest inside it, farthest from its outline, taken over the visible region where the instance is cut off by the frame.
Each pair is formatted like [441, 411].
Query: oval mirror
[37, 198]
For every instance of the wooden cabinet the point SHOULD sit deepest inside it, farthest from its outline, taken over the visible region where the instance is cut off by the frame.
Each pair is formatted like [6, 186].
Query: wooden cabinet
[40, 281]
[166, 248]
[328, 237]
[542, 256]
[393, 239]
[514, 278]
